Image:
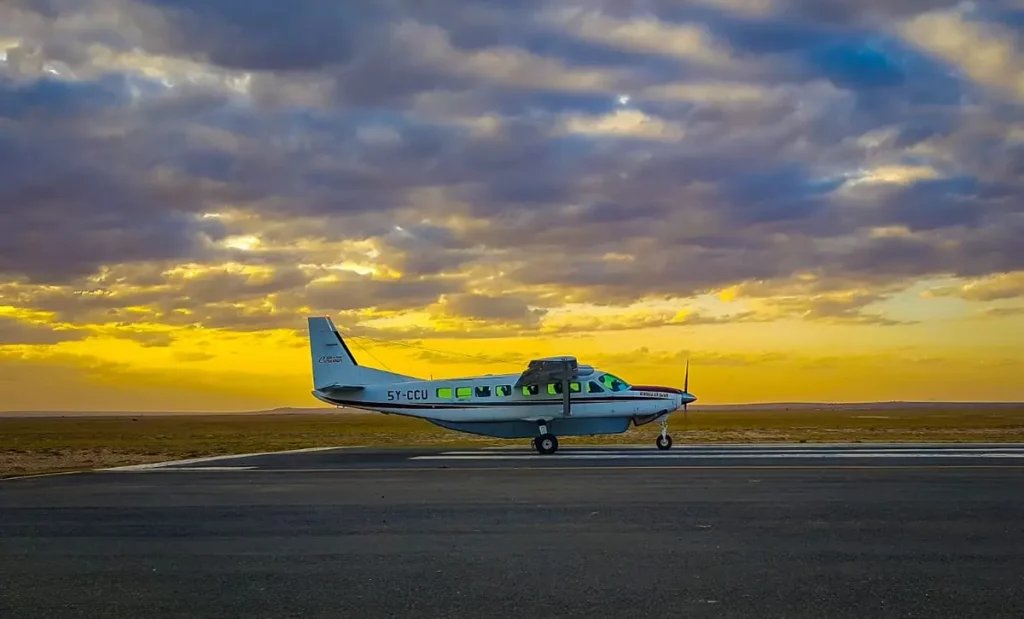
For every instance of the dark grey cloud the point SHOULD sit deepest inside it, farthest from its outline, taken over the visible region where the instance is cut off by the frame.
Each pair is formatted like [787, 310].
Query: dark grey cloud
[357, 292]
[931, 204]
[262, 34]
[70, 206]
[502, 309]
[448, 136]
[14, 332]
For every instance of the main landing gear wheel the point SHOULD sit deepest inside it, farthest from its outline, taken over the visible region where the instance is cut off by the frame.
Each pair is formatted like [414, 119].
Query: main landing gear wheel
[664, 441]
[546, 444]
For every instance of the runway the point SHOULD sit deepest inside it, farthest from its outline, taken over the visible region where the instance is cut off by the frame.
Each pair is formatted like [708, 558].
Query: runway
[699, 531]
[612, 456]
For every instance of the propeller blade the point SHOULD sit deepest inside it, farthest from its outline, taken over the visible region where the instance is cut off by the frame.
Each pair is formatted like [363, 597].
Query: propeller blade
[686, 389]
[686, 380]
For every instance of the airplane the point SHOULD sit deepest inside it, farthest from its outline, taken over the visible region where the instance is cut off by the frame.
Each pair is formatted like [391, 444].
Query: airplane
[552, 397]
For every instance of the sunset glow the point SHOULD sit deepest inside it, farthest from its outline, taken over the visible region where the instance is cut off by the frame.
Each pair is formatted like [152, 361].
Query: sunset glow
[809, 205]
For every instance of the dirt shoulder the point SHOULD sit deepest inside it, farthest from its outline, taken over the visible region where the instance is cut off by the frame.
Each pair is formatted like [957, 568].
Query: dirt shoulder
[55, 444]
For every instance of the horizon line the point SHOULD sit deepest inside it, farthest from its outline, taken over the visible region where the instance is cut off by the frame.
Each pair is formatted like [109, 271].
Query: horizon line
[692, 407]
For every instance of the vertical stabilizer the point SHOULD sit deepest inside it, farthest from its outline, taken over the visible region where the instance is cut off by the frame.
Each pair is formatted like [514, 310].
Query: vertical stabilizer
[334, 366]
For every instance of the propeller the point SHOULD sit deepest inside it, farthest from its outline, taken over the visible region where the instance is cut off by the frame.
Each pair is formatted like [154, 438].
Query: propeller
[686, 388]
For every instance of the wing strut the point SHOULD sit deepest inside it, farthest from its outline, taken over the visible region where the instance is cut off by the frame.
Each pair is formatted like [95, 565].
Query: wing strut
[566, 406]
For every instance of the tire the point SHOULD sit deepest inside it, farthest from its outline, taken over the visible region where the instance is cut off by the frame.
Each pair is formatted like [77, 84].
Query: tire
[664, 444]
[546, 444]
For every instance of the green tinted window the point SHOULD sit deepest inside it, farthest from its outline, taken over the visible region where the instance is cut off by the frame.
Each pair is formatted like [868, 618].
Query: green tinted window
[444, 392]
[463, 392]
[483, 392]
[530, 390]
[503, 390]
[556, 388]
[614, 383]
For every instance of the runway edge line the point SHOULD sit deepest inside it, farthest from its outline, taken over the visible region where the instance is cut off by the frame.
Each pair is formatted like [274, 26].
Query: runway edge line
[158, 465]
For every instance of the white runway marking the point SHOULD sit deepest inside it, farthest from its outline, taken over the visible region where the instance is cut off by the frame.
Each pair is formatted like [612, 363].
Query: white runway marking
[741, 451]
[722, 456]
[159, 465]
[747, 453]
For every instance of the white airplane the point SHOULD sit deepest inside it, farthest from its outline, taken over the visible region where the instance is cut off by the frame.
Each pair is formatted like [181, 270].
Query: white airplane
[554, 396]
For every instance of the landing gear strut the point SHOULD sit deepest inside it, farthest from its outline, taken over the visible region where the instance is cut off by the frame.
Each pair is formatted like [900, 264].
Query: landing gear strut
[664, 441]
[546, 443]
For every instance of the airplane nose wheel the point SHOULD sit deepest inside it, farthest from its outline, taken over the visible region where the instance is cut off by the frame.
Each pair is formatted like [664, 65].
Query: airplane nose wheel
[664, 441]
[546, 444]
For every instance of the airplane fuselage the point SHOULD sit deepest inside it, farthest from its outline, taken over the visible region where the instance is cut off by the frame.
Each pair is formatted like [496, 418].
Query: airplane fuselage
[495, 398]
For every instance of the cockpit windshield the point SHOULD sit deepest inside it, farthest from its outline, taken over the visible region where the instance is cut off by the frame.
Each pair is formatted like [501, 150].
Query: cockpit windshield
[613, 383]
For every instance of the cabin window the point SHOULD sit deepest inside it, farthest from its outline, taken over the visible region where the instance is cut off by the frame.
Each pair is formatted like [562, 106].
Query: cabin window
[593, 387]
[556, 388]
[463, 392]
[483, 392]
[444, 393]
[531, 389]
[614, 383]
[503, 390]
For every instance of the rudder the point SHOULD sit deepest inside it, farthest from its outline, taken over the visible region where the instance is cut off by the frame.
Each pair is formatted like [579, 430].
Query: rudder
[334, 365]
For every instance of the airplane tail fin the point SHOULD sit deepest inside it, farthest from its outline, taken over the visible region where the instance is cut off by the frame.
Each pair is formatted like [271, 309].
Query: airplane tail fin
[334, 366]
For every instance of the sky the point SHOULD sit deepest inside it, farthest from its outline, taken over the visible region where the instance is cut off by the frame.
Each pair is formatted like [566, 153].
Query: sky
[811, 200]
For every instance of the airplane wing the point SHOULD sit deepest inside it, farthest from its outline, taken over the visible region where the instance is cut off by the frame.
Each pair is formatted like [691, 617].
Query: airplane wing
[549, 370]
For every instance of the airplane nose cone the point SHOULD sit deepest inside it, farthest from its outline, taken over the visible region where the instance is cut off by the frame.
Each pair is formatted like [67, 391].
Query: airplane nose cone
[688, 398]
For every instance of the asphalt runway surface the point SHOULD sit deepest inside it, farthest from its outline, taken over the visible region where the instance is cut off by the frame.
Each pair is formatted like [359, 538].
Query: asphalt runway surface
[699, 531]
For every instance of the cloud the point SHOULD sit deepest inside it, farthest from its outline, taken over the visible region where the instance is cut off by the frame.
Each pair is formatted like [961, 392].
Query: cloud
[991, 288]
[624, 123]
[503, 309]
[1003, 312]
[840, 308]
[260, 34]
[644, 33]
[17, 332]
[986, 52]
[236, 165]
[584, 322]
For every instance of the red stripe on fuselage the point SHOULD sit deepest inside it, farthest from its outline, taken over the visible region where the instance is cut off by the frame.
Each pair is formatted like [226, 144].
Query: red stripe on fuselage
[656, 389]
[491, 404]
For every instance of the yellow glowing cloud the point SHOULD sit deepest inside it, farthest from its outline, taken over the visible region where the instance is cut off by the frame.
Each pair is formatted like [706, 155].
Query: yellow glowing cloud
[894, 174]
[508, 65]
[223, 369]
[245, 242]
[744, 7]
[708, 92]
[625, 123]
[691, 42]
[729, 294]
[168, 70]
[987, 53]
[994, 287]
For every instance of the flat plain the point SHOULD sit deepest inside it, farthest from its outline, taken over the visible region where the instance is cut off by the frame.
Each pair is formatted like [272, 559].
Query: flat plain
[69, 442]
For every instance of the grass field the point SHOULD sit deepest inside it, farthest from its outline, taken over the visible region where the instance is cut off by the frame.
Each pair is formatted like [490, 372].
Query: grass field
[49, 444]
